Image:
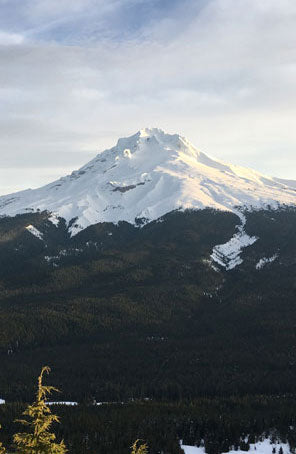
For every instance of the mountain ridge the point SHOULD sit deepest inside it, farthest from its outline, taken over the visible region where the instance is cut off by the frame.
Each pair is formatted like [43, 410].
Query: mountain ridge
[146, 176]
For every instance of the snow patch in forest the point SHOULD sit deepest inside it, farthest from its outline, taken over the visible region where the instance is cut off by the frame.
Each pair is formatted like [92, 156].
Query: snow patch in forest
[2, 401]
[54, 219]
[265, 260]
[192, 449]
[228, 255]
[68, 403]
[261, 447]
[265, 447]
[34, 232]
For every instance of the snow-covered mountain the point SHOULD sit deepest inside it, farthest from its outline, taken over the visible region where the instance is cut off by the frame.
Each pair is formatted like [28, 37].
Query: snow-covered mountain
[146, 176]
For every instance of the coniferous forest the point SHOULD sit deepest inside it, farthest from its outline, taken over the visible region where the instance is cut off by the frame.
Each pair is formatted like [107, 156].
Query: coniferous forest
[139, 318]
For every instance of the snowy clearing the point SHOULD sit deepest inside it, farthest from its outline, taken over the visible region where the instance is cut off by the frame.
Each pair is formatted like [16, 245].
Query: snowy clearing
[261, 447]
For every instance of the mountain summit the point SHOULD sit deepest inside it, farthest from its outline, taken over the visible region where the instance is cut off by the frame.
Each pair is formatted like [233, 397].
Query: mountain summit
[147, 175]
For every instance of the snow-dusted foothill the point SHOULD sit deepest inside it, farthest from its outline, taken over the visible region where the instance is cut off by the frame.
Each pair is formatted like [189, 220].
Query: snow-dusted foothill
[146, 176]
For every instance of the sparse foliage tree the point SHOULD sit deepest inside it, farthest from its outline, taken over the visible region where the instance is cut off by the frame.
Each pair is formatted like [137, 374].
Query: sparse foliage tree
[138, 448]
[39, 439]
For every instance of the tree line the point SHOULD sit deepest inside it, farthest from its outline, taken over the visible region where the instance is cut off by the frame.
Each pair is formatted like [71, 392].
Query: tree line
[39, 439]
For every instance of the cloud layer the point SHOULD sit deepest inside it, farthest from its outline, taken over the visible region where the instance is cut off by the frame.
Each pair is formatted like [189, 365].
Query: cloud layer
[77, 75]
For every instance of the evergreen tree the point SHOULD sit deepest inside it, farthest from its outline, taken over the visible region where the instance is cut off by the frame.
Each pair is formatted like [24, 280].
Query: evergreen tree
[141, 449]
[2, 449]
[39, 439]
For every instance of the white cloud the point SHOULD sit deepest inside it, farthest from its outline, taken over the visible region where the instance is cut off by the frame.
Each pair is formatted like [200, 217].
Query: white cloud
[10, 38]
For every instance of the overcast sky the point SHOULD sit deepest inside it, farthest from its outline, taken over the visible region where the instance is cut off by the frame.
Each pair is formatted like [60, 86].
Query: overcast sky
[77, 74]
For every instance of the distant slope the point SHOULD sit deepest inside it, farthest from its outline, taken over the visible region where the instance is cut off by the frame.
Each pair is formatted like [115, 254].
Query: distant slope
[146, 176]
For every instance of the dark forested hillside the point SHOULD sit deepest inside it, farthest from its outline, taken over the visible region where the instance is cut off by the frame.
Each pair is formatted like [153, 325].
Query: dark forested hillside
[121, 312]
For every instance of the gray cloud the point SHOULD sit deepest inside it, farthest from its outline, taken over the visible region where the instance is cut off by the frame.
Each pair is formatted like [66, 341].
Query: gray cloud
[87, 21]
[221, 72]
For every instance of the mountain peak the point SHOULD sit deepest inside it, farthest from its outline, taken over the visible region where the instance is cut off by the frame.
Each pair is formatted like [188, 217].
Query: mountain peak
[146, 176]
[149, 140]
[148, 132]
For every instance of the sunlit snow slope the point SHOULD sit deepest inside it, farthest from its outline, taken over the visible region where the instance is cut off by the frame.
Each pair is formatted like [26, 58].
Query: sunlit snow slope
[146, 176]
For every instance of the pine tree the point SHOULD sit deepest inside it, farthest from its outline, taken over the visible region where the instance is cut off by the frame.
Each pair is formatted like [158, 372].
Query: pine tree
[39, 440]
[2, 449]
[141, 449]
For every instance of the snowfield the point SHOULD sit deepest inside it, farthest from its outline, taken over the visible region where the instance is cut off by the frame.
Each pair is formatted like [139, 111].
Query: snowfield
[146, 176]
